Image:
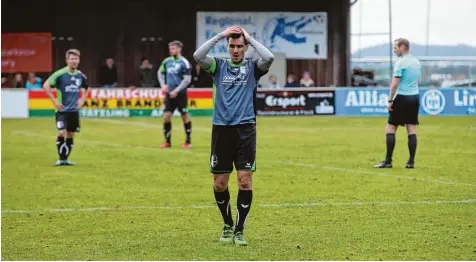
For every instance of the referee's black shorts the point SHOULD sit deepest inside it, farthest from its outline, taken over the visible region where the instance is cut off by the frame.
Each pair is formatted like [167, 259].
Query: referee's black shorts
[405, 110]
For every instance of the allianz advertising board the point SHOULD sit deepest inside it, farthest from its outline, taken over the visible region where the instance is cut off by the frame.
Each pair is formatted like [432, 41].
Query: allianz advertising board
[433, 101]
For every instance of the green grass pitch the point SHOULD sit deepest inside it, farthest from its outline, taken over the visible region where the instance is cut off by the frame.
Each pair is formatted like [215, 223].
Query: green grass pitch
[316, 195]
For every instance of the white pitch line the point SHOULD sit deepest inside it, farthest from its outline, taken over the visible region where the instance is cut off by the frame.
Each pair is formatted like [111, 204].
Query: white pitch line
[108, 144]
[283, 205]
[142, 124]
[269, 161]
[379, 174]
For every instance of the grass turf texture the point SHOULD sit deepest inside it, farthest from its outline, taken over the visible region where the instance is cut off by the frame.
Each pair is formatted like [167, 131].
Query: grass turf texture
[128, 200]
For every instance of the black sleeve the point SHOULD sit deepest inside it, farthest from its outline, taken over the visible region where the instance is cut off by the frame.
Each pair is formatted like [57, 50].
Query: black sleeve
[258, 72]
[84, 83]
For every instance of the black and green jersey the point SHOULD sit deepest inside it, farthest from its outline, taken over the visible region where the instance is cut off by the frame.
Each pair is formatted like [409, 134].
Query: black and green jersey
[68, 87]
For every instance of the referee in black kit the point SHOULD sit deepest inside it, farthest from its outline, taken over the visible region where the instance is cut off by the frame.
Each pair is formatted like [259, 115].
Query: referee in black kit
[403, 108]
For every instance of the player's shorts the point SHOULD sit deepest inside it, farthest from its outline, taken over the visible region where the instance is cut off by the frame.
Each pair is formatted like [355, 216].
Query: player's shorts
[68, 121]
[179, 102]
[405, 110]
[233, 145]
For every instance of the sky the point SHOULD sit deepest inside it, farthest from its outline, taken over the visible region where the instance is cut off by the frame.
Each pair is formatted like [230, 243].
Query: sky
[452, 22]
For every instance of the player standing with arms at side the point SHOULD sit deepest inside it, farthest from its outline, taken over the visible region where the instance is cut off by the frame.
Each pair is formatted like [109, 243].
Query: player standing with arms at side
[403, 108]
[235, 81]
[72, 90]
[175, 75]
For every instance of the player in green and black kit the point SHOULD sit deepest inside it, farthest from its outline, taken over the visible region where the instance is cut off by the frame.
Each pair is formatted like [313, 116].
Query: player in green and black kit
[174, 76]
[72, 90]
[235, 82]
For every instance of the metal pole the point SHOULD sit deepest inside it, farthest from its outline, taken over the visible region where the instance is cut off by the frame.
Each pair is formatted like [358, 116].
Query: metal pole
[390, 38]
[426, 69]
[360, 25]
[427, 52]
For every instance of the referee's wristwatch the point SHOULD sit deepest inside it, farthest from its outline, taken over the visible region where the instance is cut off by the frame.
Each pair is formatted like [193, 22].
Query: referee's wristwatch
[390, 101]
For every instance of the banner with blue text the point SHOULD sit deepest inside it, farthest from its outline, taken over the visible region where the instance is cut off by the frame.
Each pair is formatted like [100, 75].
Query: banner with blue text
[373, 101]
[299, 35]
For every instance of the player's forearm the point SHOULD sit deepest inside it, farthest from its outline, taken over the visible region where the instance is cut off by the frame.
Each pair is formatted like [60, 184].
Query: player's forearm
[161, 78]
[185, 82]
[200, 54]
[85, 94]
[393, 89]
[49, 93]
[267, 56]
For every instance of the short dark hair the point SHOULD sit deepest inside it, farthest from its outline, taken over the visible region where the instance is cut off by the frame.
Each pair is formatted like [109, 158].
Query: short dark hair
[236, 36]
[177, 43]
[404, 42]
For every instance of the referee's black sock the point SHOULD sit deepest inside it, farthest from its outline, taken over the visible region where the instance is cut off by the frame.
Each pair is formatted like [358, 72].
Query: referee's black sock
[69, 146]
[188, 132]
[167, 131]
[243, 205]
[390, 147]
[60, 147]
[412, 145]
[223, 202]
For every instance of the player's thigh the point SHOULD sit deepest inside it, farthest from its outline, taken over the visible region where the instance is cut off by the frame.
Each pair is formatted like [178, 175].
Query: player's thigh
[182, 103]
[396, 117]
[223, 152]
[60, 122]
[72, 123]
[245, 159]
[412, 110]
[170, 104]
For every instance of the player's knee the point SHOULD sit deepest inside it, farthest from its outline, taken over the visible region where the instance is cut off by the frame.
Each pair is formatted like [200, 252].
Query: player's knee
[220, 185]
[390, 129]
[185, 117]
[61, 133]
[167, 116]
[70, 134]
[411, 129]
[244, 182]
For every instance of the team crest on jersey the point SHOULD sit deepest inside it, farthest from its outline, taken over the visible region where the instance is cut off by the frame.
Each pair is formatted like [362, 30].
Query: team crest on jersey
[243, 70]
[78, 82]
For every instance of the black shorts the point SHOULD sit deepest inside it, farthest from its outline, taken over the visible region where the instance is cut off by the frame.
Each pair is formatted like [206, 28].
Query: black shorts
[68, 121]
[233, 145]
[179, 102]
[405, 110]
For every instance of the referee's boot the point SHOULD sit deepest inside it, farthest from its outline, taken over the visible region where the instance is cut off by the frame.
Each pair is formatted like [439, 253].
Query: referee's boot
[410, 165]
[384, 164]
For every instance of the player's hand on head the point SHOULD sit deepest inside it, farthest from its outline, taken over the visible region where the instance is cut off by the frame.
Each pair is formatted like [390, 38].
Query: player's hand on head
[232, 30]
[245, 33]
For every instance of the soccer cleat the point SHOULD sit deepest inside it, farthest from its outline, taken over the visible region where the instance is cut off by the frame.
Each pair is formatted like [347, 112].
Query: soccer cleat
[67, 163]
[187, 145]
[226, 235]
[383, 164]
[59, 163]
[410, 165]
[166, 145]
[239, 239]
